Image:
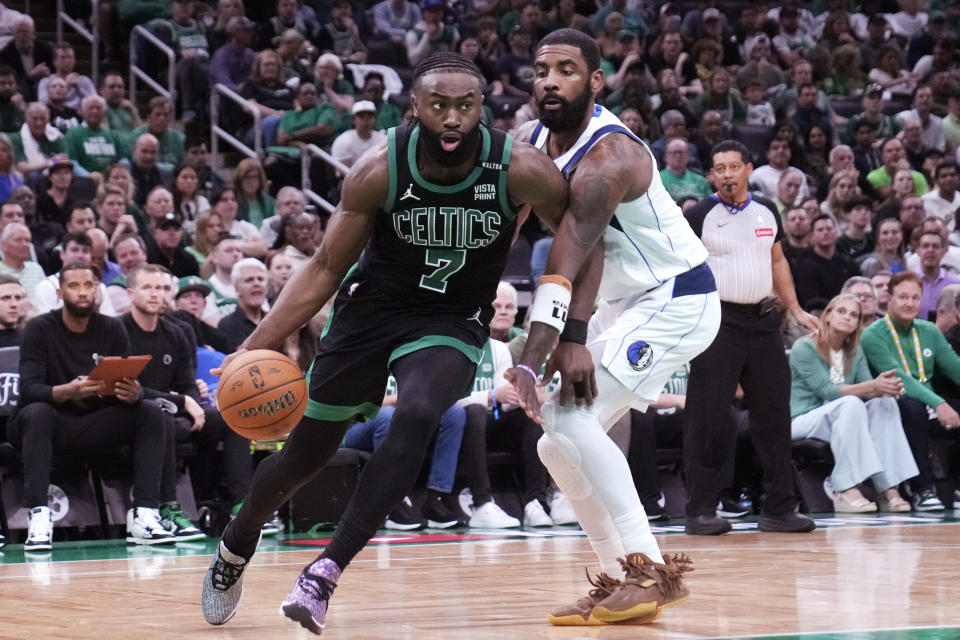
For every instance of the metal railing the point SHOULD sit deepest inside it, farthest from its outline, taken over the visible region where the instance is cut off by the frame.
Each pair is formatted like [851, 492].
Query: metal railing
[217, 132]
[137, 72]
[307, 154]
[91, 35]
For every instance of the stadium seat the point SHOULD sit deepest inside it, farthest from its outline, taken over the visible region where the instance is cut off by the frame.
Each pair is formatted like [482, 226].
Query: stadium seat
[812, 463]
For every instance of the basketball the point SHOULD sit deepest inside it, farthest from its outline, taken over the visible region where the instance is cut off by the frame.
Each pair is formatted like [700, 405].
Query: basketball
[262, 394]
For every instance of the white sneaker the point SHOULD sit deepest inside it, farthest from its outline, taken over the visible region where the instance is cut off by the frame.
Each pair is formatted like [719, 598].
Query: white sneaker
[490, 516]
[466, 501]
[534, 515]
[828, 488]
[144, 527]
[561, 511]
[956, 499]
[39, 531]
[3, 541]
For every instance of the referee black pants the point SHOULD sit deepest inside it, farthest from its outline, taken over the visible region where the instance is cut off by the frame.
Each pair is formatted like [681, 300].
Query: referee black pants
[747, 350]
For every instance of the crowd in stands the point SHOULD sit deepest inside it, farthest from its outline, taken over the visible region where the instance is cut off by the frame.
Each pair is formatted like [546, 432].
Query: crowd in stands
[851, 109]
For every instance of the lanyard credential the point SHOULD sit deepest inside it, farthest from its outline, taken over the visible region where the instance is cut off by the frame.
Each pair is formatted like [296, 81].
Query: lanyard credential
[921, 374]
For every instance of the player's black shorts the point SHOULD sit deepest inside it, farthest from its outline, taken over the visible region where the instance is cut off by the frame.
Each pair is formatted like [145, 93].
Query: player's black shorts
[366, 332]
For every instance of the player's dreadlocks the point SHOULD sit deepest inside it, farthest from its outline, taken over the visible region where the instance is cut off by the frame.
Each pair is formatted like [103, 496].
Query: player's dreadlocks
[448, 62]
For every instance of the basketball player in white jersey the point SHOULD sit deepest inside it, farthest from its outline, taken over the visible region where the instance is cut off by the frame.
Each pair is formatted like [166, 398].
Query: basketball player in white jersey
[625, 238]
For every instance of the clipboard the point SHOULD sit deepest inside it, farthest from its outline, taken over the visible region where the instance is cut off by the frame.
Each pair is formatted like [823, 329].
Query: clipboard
[112, 368]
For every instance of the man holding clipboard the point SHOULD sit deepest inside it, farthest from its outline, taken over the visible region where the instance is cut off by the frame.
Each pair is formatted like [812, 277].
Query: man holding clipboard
[64, 408]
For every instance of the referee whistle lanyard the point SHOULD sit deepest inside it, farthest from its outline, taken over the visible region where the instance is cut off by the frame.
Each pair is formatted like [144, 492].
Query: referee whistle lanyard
[921, 374]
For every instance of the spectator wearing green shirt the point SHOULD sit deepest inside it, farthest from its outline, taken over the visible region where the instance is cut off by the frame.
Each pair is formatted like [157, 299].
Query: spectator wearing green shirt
[250, 182]
[679, 181]
[834, 398]
[121, 114]
[915, 349]
[718, 97]
[38, 145]
[309, 123]
[158, 123]
[894, 157]
[90, 145]
[388, 115]
[11, 113]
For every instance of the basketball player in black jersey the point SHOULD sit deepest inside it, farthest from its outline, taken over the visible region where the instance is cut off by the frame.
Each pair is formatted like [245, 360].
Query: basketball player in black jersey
[431, 215]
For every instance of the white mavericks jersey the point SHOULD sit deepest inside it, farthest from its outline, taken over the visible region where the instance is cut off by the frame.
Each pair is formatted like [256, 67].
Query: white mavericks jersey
[648, 240]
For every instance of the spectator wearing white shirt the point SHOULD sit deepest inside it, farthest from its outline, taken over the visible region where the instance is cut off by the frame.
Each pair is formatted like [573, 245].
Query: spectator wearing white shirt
[352, 144]
[77, 247]
[933, 136]
[944, 201]
[909, 21]
[15, 243]
[766, 178]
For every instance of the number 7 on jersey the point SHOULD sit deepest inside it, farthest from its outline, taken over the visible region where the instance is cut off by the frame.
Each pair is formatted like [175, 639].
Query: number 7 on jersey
[447, 263]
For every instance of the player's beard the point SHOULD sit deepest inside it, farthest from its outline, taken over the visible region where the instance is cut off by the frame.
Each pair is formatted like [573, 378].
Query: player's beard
[469, 143]
[78, 311]
[569, 116]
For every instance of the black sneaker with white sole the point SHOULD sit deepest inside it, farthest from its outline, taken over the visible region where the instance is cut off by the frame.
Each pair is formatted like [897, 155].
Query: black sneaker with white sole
[730, 508]
[927, 500]
[405, 518]
[439, 515]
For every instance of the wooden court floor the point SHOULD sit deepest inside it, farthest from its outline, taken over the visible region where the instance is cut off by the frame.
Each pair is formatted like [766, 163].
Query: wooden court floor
[891, 581]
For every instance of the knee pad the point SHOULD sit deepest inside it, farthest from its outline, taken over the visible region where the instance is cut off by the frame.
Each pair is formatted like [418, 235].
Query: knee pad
[562, 460]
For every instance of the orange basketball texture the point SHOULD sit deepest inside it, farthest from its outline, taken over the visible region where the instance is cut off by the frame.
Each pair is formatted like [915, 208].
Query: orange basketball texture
[262, 394]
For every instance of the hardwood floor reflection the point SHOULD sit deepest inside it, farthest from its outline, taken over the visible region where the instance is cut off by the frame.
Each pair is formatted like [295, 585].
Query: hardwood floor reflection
[844, 579]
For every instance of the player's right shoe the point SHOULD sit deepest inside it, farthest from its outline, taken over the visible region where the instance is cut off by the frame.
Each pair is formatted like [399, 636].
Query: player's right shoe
[580, 614]
[647, 586]
[39, 530]
[144, 526]
[223, 585]
[308, 600]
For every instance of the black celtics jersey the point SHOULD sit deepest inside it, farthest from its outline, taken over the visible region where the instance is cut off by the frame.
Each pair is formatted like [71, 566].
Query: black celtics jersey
[443, 245]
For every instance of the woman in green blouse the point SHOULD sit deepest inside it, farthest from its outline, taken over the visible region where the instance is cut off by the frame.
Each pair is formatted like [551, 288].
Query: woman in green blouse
[834, 398]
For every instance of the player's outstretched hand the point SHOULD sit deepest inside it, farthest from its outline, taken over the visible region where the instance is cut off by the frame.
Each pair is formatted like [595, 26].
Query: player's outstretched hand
[577, 376]
[526, 387]
[226, 362]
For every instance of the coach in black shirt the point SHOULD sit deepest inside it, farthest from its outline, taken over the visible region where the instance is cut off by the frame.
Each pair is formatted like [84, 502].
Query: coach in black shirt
[61, 409]
[171, 374]
[742, 233]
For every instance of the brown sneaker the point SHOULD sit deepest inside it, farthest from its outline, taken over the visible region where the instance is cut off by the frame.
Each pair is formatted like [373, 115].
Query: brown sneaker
[580, 614]
[648, 586]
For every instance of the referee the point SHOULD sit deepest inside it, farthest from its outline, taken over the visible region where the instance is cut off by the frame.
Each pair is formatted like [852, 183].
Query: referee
[742, 232]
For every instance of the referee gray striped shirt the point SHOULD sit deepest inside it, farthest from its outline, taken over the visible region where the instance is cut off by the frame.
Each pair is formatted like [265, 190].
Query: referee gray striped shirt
[739, 240]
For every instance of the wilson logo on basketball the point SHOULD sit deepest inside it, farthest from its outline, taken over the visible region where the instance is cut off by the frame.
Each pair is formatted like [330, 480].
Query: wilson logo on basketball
[269, 408]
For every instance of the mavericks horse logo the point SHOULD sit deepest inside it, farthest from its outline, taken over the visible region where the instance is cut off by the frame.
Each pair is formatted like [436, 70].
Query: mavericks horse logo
[640, 355]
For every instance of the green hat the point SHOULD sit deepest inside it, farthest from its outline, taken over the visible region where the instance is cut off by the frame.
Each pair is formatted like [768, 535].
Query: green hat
[192, 283]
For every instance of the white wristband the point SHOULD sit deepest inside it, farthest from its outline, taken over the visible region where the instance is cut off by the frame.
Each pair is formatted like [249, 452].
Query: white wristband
[550, 305]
